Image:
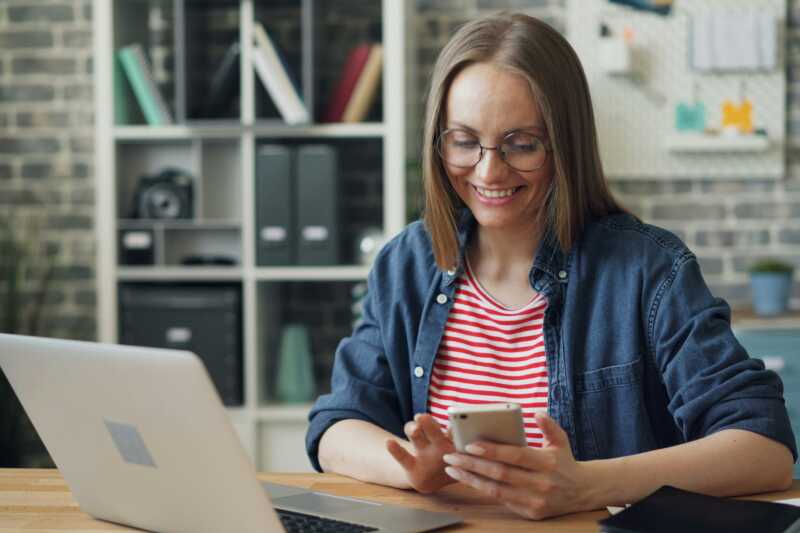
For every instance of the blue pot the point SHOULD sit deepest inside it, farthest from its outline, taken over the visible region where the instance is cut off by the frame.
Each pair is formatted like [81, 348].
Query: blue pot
[771, 291]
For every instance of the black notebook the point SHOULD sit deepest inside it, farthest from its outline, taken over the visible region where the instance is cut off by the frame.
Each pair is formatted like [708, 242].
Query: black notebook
[671, 510]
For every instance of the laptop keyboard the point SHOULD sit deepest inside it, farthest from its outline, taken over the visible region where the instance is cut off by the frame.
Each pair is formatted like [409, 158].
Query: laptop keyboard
[309, 523]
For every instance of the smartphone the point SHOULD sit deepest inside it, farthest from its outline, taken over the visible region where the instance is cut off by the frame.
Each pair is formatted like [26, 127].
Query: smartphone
[495, 422]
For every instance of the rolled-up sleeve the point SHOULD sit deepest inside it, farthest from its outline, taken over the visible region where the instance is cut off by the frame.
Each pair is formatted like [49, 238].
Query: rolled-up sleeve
[362, 387]
[711, 382]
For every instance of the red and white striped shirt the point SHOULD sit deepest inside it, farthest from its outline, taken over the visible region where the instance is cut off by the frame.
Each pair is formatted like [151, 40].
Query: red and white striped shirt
[490, 353]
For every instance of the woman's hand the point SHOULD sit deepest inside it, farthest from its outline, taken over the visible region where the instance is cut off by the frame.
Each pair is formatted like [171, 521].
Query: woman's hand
[425, 466]
[533, 482]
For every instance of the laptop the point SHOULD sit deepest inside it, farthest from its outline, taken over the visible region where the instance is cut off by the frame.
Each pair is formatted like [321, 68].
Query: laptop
[142, 439]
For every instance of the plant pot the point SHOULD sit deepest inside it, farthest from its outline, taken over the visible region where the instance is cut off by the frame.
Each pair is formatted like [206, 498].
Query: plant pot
[771, 291]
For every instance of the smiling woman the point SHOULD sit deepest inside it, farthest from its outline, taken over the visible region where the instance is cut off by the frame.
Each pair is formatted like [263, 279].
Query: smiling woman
[528, 283]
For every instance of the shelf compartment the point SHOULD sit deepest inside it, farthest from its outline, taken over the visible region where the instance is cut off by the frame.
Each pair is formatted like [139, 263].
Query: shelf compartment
[358, 200]
[132, 26]
[184, 244]
[284, 24]
[332, 47]
[325, 310]
[210, 61]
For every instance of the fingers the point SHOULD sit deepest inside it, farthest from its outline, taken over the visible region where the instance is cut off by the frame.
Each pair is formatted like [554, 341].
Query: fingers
[493, 470]
[416, 435]
[520, 456]
[424, 431]
[400, 454]
[554, 435]
[508, 494]
[433, 431]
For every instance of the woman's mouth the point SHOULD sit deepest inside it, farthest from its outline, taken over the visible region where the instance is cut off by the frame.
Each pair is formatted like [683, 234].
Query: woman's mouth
[495, 196]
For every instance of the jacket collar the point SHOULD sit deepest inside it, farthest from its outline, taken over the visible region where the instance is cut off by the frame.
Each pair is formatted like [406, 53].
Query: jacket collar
[549, 257]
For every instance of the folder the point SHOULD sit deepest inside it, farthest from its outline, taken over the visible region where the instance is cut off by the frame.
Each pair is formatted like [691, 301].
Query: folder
[669, 510]
[317, 206]
[274, 225]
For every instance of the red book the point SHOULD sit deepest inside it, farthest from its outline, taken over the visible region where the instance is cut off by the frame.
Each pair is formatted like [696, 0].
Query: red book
[347, 83]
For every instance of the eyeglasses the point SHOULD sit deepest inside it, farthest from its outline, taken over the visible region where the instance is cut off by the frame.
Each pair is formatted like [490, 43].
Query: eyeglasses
[520, 150]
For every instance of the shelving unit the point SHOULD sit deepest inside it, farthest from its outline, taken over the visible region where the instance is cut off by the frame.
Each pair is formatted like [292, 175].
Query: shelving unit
[220, 153]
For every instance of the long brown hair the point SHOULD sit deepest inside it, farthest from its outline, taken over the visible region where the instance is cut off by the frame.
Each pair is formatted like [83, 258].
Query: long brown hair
[528, 47]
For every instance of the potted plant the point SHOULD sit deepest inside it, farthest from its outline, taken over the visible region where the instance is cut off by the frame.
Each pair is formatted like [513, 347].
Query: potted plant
[771, 284]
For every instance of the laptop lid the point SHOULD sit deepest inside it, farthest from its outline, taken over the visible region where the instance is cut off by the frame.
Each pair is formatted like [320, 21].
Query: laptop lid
[139, 435]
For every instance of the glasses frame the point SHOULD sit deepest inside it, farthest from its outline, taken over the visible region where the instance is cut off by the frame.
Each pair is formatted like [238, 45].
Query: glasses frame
[483, 148]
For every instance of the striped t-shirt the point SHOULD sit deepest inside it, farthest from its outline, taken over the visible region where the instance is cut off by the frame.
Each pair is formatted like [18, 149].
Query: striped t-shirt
[490, 353]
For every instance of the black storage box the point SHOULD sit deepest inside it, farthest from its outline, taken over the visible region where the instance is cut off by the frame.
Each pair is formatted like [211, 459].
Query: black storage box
[202, 318]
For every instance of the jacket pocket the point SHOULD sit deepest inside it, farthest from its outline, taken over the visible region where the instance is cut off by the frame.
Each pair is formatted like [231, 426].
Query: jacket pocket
[612, 411]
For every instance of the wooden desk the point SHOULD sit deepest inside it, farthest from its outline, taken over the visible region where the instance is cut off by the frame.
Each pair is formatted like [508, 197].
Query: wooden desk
[40, 500]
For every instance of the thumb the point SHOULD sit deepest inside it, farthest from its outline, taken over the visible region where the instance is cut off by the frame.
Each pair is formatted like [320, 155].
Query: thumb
[552, 432]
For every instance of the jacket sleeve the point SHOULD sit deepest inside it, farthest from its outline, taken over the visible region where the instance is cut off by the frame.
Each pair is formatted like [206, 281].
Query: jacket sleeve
[362, 387]
[711, 382]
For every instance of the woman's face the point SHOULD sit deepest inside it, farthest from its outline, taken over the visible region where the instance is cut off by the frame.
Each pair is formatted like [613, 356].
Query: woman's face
[490, 103]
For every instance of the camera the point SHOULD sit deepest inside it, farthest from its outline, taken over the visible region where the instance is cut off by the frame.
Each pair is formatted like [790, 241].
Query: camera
[166, 195]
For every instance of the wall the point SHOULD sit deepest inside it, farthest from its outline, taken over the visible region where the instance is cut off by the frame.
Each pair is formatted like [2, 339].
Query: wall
[46, 152]
[726, 223]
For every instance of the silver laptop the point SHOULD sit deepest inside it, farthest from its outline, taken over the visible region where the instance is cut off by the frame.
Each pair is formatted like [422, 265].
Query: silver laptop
[142, 439]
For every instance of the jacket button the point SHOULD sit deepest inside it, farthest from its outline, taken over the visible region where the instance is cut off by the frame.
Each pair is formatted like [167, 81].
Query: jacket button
[419, 371]
[442, 299]
[562, 274]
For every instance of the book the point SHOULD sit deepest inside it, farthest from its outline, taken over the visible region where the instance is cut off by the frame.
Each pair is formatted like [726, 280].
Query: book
[366, 88]
[224, 84]
[670, 509]
[140, 76]
[353, 65]
[126, 110]
[276, 80]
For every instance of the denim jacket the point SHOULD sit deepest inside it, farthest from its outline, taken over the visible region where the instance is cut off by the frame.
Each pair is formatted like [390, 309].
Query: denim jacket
[640, 355]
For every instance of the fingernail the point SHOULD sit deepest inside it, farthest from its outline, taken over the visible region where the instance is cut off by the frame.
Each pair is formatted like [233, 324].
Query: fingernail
[451, 458]
[452, 472]
[474, 449]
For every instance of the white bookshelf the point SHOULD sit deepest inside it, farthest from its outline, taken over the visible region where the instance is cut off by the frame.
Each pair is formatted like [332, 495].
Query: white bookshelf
[273, 434]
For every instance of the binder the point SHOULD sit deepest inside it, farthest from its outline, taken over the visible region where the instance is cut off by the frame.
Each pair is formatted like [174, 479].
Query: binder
[317, 205]
[275, 234]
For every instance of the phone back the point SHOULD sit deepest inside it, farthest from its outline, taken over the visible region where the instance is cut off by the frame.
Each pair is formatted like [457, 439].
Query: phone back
[502, 426]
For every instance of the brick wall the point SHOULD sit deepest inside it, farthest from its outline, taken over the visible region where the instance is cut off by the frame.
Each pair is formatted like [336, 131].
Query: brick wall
[46, 153]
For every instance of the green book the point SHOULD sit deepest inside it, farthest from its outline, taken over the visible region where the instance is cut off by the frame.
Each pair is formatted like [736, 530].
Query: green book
[126, 110]
[140, 77]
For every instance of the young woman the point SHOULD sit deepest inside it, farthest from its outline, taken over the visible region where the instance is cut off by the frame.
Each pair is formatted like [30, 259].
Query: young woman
[527, 282]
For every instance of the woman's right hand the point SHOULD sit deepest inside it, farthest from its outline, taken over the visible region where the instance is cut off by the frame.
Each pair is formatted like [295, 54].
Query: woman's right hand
[423, 464]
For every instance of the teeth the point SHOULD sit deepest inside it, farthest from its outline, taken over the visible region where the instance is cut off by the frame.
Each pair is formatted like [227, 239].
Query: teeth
[495, 194]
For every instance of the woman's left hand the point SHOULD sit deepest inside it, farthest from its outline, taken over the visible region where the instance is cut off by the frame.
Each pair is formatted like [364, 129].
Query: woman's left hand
[533, 482]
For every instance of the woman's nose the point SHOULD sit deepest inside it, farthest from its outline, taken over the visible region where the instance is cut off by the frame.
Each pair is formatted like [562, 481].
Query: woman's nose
[491, 167]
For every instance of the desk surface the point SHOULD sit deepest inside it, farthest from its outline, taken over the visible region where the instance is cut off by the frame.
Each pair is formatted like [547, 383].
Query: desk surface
[40, 500]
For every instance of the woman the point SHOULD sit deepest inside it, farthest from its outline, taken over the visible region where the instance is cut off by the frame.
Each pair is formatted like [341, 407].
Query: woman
[527, 282]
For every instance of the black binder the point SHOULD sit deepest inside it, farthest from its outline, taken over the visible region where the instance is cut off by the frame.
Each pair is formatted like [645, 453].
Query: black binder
[275, 229]
[671, 510]
[317, 206]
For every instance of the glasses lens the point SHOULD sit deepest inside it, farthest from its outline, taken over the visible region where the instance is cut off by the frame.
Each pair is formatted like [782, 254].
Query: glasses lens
[524, 151]
[459, 148]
